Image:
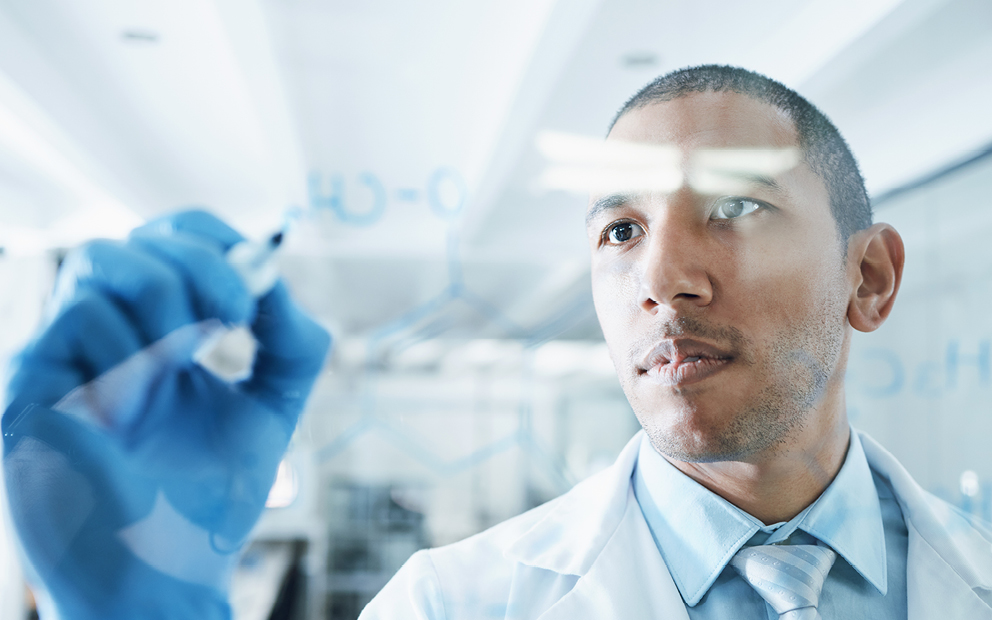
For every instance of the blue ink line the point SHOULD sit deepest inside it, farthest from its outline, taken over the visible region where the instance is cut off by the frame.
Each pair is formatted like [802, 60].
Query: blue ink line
[453, 257]
[552, 465]
[491, 312]
[407, 194]
[411, 317]
[483, 454]
[403, 439]
[447, 212]
[577, 310]
[340, 443]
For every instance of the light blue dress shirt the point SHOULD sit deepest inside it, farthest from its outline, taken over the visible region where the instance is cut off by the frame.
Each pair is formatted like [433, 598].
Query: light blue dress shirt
[698, 532]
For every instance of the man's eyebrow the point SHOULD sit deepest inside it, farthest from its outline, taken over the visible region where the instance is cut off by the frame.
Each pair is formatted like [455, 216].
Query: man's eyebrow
[763, 181]
[606, 203]
[757, 180]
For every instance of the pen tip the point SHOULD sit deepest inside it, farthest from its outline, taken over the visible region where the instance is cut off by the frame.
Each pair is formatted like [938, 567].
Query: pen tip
[276, 239]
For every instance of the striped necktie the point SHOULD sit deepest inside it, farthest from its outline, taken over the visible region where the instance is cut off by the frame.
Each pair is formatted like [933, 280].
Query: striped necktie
[788, 577]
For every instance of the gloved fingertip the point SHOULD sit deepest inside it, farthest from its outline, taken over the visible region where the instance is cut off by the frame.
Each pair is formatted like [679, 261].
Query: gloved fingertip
[239, 308]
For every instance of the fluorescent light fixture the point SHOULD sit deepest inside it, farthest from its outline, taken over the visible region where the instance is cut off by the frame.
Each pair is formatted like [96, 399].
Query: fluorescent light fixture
[765, 162]
[607, 180]
[96, 213]
[727, 171]
[584, 164]
[594, 165]
[568, 148]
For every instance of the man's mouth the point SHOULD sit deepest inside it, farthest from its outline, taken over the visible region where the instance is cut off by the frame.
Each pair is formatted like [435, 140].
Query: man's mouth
[683, 361]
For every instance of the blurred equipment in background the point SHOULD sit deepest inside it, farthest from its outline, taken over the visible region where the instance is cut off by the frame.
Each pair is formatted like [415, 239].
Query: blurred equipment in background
[371, 536]
[269, 582]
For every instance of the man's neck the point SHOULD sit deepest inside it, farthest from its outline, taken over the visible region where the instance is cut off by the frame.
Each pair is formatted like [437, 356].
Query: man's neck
[780, 483]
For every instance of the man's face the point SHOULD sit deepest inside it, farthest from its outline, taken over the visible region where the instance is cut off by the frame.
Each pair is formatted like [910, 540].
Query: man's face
[725, 314]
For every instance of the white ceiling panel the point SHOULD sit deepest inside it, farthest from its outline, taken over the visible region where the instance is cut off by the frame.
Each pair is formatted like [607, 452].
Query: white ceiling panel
[401, 135]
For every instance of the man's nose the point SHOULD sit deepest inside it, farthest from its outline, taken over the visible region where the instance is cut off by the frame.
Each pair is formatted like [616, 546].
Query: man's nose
[676, 270]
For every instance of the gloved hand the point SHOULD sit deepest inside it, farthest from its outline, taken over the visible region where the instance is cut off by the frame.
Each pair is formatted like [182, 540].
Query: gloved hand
[133, 474]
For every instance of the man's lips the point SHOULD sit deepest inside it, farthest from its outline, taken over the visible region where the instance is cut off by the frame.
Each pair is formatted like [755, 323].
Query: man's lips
[679, 350]
[682, 361]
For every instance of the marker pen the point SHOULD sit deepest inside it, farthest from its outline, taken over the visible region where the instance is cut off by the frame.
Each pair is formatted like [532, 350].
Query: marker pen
[230, 352]
[255, 263]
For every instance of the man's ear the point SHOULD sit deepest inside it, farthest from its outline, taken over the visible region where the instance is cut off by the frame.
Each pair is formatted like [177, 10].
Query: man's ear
[875, 257]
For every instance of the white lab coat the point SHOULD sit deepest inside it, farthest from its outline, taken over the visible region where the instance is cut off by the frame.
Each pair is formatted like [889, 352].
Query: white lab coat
[589, 554]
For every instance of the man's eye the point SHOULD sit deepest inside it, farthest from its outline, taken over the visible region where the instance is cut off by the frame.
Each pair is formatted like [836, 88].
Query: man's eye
[622, 232]
[730, 208]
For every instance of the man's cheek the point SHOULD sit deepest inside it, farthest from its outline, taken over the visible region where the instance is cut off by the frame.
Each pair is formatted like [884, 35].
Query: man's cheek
[615, 283]
[617, 313]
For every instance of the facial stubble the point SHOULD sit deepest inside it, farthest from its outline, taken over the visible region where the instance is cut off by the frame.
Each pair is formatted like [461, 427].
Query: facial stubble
[798, 364]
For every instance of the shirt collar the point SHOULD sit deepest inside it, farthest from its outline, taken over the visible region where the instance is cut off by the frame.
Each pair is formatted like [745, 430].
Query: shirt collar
[848, 518]
[698, 532]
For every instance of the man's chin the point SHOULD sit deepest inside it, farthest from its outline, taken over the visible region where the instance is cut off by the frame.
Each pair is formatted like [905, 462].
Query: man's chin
[692, 438]
[693, 452]
[692, 441]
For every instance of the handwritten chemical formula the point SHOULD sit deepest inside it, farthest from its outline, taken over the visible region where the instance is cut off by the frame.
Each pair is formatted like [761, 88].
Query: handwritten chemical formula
[444, 191]
[882, 372]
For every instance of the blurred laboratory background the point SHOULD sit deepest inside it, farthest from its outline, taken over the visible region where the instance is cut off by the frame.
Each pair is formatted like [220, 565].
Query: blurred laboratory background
[469, 380]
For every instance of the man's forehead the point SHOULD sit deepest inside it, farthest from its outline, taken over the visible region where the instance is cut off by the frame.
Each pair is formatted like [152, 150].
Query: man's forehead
[708, 120]
[726, 142]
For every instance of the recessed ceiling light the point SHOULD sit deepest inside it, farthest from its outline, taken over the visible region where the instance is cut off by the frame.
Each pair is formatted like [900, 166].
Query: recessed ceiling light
[639, 60]
[138, 35]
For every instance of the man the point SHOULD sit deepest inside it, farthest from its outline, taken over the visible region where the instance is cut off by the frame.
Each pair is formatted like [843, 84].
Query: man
[729, 318]
[135, 475]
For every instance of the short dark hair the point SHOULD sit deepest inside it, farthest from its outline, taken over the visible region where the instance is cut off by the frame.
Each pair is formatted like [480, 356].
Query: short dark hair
[824, 150]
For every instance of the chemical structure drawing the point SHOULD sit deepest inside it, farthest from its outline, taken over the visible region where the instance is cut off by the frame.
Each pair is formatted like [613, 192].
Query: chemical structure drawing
[328, 192]
[447, 195]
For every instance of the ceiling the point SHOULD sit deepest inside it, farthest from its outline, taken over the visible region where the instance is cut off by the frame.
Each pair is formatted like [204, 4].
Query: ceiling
[400, 136]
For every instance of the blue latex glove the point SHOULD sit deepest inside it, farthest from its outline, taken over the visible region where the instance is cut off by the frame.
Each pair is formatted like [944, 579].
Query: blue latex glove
[134, 475]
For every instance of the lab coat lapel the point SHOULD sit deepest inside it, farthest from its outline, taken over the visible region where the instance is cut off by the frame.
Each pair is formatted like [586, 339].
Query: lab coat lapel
[628, 579]
[948, 563]
[598, 533]
[936, 590]
[571, 535]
